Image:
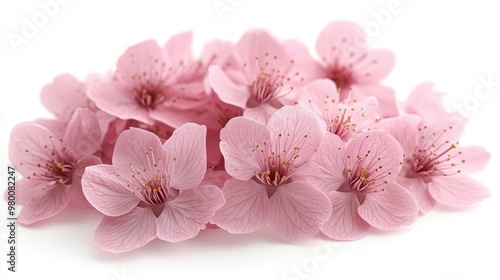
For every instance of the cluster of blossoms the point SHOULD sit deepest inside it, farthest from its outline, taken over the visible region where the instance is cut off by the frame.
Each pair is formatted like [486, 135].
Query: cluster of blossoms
[247, 134]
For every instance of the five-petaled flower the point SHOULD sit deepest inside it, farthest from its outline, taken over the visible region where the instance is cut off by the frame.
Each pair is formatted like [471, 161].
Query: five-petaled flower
[52, 167]
[262, 161]
[152, 189]
[359, 179]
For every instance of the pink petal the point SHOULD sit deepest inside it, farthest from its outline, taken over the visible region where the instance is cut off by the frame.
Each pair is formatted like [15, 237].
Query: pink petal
[344, 223]
[316, 94]
[174, 117]
[136, 147]
[304, 64]
[386, 97]
[83, 134]
[418, 188]
[425, 102]
[297, 131]
[183, 217]
[57, 127]
[374, 67]
[261, 113]
[187, 156]
[117, 99]
[108, 192]
[259, 43]
[178, 49]
[325, 171]
[45, 205]
[457, 191]
[246, 209]
[241, 142]
[142, 64]
[63, 96]
[390, 207]
[377, 152]
[227, 90]
[476, 159]
[27, 189]
[124, 233]
[338, 40]
[26, 147]
[404, 128]
[297, 210]
[77, 198]
[216, 178]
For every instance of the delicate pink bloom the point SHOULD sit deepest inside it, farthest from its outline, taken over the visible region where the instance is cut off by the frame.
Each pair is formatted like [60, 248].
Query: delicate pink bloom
[359, 179]
[343, 118]
[66, 94]
[435, 166]
[262, 161]
[264, 76]
[154, 83]
[53, 167]
[152, 190]
[353, 67]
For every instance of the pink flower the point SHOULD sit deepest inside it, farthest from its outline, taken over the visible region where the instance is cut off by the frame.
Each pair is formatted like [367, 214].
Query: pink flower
[359, 179]
[343, 118]
[152, 190]
[53, 167]
[436, 167]
[348, 62]
[154, 83]
[262, 161]
[264, 76]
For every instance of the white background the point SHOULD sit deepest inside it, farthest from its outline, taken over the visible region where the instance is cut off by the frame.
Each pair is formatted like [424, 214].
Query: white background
[450, 43]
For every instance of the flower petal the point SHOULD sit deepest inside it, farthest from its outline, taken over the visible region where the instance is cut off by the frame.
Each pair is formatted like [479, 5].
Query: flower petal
[26, 189]
[63, 96]
[127, 232]
[45, 205]
[261, 113]
[404, 128]
[476, 158]
[325, 171]
[338, 40]
[83, 134]
[386, 97]
[246, 209]
[77, 198]
[344, 223]
[108, 192]
[457, 191]
[187, 156]
[418, 188]
[375, 66]
[242, 139]
[378, 153]
[135, 147]
[297, 210]
[178, 48]
[183, 217]
[296, 132]
[227, 90]
[390, 207]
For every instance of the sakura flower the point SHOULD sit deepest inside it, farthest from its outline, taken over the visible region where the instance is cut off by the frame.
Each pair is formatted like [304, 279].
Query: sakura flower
[154, 83]
[53, 167]
[343, 118]
[436, 167]
[262, 161]
[265, 75]
[152, 190]
[359, 180]
[353, 67]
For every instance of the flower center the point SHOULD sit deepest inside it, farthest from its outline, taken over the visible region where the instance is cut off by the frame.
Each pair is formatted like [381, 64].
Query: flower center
[149, 98]
[434, 155]
[59, 165]
[343, 78]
